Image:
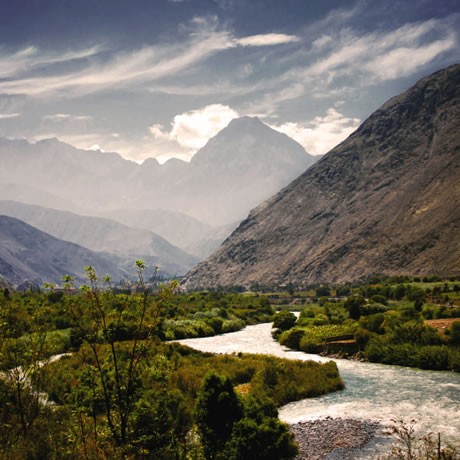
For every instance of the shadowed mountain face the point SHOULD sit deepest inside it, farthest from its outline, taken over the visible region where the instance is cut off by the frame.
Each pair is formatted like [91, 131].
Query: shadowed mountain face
[384, 201]
[30, 254]
[240, 167]
[106, 235]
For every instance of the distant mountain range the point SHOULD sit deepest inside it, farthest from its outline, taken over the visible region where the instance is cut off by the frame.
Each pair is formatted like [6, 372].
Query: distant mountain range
[384, 201]
[243, 164]
[172, 215]
[105, 235]
[30, 254]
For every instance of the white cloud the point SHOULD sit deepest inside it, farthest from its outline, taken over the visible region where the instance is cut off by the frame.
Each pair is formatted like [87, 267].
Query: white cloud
[97, 71]
[191, 130]
[383, 55]
[403, 61]
[6, 116]
[322, 133]
[266, 40]
[322, 41]
[57, 117]
[31, 57]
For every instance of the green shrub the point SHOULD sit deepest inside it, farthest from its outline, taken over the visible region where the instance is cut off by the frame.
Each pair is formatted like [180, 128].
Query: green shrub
[292, 338]
[232, 325]
[284, 320]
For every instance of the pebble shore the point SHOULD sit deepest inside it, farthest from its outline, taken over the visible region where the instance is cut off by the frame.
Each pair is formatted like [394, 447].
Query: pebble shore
[332, 438]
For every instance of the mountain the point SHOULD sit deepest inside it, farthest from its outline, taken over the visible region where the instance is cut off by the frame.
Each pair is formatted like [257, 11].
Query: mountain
[384, 201]
[241, 166]
[81, 178]
[106, 235]
[27, 253]
[178, 228]
[237, 169]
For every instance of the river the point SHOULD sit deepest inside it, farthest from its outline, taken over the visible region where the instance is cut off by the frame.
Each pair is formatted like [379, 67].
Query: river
[373, 391]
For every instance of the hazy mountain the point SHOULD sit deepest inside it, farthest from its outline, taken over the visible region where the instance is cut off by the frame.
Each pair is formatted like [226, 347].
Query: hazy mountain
[183, 231]
[241, 166]
[101, 234]
[178, 228]
[384, 201]
[32, 195]
[27, 253]
[83, 178]
[211, 240]
[237, 169]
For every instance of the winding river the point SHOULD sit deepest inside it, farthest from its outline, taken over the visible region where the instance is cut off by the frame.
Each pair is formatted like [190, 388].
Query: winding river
[373, 391]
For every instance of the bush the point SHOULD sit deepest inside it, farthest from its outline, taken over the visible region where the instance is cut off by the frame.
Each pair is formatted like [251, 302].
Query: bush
[373, 323]
[284, 320]
[362, 337]
[232, 325]
[454, 333]
[309, 345]
[292, 338]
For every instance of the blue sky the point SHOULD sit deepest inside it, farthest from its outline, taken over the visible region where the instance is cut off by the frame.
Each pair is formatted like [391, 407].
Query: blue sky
[158, 78]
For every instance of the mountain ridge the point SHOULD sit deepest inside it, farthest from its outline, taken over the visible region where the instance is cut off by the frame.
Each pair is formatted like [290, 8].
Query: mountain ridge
[28, 254]
[223, 181]
[102, 234]
[384, 201]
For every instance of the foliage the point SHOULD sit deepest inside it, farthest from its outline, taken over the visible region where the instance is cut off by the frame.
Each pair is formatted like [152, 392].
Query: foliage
[284, 320]
[259, 435]
[409, 446]
[250, 429]
[217, 409]
[384, 321]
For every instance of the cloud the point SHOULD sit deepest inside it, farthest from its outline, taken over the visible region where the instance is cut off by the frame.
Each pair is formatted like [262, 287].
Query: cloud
[383, 55]
[322, 41]
[403, 61]
[191, 130]
[6, 116]
[322, 133]
[266, 40]
[269, 102]
[57, 117]
[30, 58]
[97, 71]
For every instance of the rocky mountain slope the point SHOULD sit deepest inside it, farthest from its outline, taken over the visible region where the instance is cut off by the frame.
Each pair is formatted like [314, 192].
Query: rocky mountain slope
[384, 201]
[27, 253]
[106, 235]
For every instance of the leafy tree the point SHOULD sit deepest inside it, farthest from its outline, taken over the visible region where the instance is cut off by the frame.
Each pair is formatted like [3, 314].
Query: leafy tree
[353, 305]
[217, 409]
[112, 382]
[259, 434]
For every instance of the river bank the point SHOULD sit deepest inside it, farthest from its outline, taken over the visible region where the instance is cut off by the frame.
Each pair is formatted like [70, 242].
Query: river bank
[376, 392]
[332, 438]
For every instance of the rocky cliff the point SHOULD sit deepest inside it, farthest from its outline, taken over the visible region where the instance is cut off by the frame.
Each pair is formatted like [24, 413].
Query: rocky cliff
[384, 201]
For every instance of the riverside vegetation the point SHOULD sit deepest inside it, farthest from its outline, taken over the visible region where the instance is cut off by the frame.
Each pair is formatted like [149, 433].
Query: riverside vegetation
[403, 321]
[119, 389]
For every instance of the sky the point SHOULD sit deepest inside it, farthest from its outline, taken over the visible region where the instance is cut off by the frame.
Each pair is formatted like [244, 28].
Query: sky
[159, 78]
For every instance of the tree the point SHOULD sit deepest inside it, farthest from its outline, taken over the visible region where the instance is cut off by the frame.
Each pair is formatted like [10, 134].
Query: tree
[217, 409]
[112, 384]
[284, 320]
[260, 435]
[353, 304]
[454, 333]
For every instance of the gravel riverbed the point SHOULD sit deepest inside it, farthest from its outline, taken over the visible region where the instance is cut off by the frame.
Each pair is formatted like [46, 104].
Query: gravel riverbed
[332, 438]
